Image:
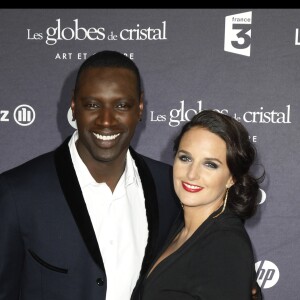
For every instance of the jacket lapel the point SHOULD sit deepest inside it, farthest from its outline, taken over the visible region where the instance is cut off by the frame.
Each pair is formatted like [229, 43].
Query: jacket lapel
[73, 194]
[151, 204]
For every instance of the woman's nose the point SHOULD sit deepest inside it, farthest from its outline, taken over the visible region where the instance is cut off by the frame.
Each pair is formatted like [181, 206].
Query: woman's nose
[193, 172]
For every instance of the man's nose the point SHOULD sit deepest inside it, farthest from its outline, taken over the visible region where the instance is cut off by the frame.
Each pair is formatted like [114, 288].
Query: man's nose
[106, 116]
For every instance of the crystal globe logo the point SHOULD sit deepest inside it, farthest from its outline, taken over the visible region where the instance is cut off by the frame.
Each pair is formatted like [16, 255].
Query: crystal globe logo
[24, 115]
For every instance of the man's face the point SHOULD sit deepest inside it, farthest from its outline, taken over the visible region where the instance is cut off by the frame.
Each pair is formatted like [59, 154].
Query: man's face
[107, 108]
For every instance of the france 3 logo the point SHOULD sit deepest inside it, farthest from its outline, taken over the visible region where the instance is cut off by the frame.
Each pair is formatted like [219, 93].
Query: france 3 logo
[237, 37]
[24, 115]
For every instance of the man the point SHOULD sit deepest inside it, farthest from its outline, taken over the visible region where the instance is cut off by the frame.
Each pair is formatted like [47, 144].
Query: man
[84, 221]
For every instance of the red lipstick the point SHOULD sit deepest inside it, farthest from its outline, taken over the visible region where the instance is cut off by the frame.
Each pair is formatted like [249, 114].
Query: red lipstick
[191, 187]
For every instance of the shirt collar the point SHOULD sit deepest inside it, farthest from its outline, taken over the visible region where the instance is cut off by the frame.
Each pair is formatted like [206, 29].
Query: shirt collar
[84, 176]
[132, 174]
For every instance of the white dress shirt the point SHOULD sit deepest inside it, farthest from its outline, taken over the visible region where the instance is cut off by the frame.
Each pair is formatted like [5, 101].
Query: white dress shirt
[119, 221]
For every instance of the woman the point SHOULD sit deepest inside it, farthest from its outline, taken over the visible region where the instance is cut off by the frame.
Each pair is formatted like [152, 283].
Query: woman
[208, 254]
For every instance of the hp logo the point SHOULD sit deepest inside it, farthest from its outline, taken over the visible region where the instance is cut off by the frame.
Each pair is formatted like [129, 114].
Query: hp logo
[267, 274]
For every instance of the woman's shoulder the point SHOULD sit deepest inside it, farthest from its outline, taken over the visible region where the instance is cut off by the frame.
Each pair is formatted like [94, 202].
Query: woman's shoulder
[227, 232]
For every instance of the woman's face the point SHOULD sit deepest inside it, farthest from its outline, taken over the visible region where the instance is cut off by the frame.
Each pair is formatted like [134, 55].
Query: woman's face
[200, 173]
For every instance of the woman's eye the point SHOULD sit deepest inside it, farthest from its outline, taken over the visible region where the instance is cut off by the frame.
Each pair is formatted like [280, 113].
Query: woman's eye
[211, 165]
[184, 158]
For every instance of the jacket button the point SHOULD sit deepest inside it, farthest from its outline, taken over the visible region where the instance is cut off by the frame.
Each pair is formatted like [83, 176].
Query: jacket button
[100, 281]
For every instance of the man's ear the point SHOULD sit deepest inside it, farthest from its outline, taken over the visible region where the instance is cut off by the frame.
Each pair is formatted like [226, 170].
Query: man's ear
[141, 105]
[73, 106]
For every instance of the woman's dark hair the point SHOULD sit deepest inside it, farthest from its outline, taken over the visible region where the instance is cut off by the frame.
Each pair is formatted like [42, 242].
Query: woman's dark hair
[111, 59]
[240, 156]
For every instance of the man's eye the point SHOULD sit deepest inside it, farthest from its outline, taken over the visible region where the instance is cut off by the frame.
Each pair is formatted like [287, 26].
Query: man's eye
[122, 106]
[92, 105]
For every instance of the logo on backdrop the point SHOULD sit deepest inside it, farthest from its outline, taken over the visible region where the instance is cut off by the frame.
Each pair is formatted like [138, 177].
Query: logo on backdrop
[297, 39]
[263, 196]
[261, 115]
[237, 37]
[24, 115]
[70, 119]
[75, 31]
[267, 274]
[62, 31]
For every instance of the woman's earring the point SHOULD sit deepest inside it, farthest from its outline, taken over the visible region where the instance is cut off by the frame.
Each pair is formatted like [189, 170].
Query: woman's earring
[224, 203]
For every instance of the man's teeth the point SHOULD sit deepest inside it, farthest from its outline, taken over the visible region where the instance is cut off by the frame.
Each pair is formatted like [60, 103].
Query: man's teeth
[106, 137]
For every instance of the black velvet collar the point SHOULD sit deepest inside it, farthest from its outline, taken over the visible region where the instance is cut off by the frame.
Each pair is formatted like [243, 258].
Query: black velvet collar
[152, 208]
[73, 194]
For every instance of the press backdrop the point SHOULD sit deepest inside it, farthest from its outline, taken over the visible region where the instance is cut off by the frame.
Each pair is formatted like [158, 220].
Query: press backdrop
[242, 62]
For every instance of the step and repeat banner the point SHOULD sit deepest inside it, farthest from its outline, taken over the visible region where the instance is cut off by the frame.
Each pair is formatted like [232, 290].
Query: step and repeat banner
[241, 62]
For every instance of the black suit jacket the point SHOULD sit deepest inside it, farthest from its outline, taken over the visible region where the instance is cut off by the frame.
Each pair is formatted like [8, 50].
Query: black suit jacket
[48, 248]
[215, 263]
